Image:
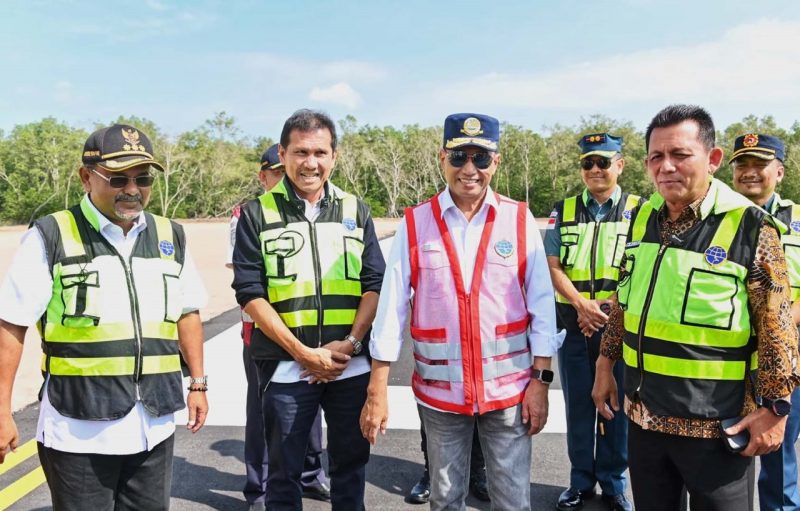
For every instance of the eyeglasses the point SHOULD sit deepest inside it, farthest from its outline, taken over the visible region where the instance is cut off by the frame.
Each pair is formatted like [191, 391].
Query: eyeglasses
[602, 163]
[142, 181]
[481, 160]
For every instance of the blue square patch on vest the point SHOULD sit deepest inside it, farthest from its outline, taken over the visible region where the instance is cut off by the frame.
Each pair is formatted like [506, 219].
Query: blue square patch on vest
[504, 248]
[166, 247]
[795, 226]
[715, 255]
[627, 214]
[349, 224]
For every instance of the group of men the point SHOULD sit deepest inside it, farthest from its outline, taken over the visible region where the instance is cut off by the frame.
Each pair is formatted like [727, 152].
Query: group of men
[678, 308]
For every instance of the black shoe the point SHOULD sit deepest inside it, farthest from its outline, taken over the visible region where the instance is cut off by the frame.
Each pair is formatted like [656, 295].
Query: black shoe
[478, 486]
[318, 491]
[421, 492]
[572, 499]
[617, 502]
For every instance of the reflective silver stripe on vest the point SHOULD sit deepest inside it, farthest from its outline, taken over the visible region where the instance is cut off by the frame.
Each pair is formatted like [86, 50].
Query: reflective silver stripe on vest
[505, 345]
[495, 369]
[438, 350]
[451, 373]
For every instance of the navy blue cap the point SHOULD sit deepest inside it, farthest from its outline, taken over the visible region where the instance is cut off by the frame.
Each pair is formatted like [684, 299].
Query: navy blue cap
[601, 144]
[461, 130]
[765, 147]
[270, 160]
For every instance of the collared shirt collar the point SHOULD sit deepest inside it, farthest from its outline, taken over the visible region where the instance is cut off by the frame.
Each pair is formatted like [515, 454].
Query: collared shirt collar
[446, 200]
[102, 224]
[771, 206]
[588, 198]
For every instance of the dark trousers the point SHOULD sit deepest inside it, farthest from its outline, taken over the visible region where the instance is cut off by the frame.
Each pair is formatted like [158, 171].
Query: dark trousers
[100, 482]
[777, 481]
[290, 410]
[661, 465]
[597, 454]
[476, 461]
[255, 448]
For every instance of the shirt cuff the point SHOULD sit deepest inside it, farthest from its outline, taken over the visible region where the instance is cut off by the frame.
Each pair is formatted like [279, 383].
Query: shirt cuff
[546, 345]
[385, 349]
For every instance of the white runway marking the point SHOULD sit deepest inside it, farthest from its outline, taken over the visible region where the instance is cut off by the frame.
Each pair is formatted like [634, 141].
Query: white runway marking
[228, 389]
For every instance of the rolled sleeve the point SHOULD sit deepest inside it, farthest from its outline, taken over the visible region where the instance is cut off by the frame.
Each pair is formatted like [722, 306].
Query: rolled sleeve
[372, 264]
[249, 279]
[552, 237]
[28, 285]
[393, 306]
[544, 338]
[193, 291]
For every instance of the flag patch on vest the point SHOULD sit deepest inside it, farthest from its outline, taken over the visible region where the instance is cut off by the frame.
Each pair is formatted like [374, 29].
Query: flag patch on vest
[504, 248]
[795, 226]
[349, 224]
[715, 255]
[627, 214]
[166, 247]
[551, 222]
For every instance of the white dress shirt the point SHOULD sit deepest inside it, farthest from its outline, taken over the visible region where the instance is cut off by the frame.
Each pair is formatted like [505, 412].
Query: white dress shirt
[24, 295]
[394, 306]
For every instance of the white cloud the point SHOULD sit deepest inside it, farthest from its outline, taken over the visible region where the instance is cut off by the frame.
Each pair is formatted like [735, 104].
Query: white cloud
[339, 93]
[296, 69]
[753, 63]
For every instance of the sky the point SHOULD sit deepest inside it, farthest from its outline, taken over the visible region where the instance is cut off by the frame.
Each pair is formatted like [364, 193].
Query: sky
[530, 63]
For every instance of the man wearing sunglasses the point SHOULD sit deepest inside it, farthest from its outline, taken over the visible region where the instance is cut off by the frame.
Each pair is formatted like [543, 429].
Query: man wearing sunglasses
[585, 241]
[116, 297]
[757, 170]
[482, 323]
[315, 485]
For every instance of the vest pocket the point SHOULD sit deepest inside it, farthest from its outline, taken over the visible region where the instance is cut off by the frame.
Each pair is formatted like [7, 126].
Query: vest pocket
[569, 249]
[435, 279]
[173, 306]
[353, 250]
[80, 293]
[709, 299]
[792, 251]
[624, 284]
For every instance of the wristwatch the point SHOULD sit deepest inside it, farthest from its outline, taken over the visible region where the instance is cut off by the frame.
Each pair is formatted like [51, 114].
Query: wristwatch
[543, 375]
[203, 380]
[780, 407]
[357, 346]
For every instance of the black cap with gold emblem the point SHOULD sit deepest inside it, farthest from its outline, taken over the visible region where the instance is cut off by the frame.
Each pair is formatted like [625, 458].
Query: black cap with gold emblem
[119, 147]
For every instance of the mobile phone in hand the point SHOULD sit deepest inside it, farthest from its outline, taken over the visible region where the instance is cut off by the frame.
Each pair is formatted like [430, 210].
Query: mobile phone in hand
[734, 443]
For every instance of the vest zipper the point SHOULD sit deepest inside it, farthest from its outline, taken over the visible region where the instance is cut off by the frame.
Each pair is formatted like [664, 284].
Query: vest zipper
[471, 353]
[312, 227]
[593, 260]
[650, 289]
[137, 326]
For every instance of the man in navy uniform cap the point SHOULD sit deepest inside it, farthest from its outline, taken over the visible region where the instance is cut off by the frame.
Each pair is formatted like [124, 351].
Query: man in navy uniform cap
[757, 170]
[482, 323]
[585, 241]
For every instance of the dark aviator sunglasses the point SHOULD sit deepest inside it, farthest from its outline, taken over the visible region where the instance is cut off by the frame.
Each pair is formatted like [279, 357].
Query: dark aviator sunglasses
[602, 163]
[142, 181]
[481, 160]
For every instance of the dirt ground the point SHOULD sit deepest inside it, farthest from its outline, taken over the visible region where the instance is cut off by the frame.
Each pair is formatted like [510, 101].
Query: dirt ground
[208, 242]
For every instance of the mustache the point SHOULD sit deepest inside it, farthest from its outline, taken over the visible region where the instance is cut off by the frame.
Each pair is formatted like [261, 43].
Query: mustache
[126, 197]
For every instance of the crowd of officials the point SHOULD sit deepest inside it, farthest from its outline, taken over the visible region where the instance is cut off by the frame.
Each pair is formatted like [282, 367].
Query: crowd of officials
[673, 318]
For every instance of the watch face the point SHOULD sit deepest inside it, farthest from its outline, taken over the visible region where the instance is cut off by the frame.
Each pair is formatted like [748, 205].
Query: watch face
[547, 376]
[781, 407]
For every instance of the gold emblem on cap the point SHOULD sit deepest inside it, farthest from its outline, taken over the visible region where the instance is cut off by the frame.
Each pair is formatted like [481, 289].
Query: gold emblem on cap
[472, 127]
[750, 140]
[132, 138]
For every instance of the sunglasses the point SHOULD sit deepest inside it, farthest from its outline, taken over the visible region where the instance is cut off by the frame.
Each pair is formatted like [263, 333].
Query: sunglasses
[602, 163]
[482, 160]
[142, 181]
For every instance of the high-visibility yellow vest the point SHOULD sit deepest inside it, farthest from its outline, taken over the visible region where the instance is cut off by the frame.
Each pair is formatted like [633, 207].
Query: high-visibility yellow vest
[789, 214]
[591, 250]
[312, 269]
[688, 340]
[110, 329]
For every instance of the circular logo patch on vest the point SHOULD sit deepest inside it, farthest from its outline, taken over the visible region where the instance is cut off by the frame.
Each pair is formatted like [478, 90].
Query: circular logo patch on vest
[504, 248]
[795, 226]
[166, 247]
[349, 224]
[715, 255]
[627, 214]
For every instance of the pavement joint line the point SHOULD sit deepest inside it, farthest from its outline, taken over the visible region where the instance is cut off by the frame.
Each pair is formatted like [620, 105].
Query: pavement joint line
[21, 487]
[22, 453]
